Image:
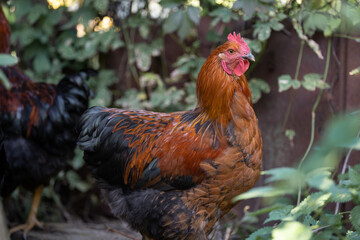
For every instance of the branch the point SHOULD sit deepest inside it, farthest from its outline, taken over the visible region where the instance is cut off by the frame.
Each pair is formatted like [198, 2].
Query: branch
[313, 114]
[346, 161]
[295, 77]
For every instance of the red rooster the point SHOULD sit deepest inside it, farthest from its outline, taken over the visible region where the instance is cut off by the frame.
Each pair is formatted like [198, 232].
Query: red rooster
[173, 176]
[37, 128]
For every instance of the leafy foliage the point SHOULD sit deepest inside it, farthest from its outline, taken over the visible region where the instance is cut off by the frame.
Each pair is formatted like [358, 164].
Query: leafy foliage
[311, 82]
[6, 60]
[257, 87]
[312, 217]
[285, 83]
[355, 71]
[295, 229]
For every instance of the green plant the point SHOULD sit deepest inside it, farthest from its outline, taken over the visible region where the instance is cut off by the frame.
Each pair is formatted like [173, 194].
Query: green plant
[313, 216]
[6, 60]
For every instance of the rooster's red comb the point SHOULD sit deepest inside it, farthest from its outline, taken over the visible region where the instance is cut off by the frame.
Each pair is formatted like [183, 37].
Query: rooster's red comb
[239, 40]
[236, 38]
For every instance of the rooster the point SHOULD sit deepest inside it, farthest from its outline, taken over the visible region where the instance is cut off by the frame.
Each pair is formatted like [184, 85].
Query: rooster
[173, 176]
[37, 128]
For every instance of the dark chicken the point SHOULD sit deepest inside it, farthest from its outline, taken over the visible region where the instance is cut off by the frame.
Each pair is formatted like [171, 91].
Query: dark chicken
[173, 176]
[37, 128]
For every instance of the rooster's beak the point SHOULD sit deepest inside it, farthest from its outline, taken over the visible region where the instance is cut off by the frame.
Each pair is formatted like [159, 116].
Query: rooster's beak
[249, 57]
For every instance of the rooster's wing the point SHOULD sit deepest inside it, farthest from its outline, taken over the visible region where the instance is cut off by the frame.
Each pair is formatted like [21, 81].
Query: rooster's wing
[142, 149]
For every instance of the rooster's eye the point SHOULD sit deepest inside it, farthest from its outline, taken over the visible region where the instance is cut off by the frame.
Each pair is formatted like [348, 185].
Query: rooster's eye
[231, 51]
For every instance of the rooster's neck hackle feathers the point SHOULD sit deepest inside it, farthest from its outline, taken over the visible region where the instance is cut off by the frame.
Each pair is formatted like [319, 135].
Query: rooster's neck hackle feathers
[216, 88]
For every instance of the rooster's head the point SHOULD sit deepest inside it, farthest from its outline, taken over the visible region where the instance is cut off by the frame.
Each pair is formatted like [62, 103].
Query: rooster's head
[236, 55]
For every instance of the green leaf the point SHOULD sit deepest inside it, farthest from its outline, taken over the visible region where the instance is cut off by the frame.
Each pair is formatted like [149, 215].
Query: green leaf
[222, 14]
[254, 45]
[104, 79]
[185, 28]
[157, 45]
[150, 79]
[309, 84]
[282, 173]
[333, 24]
[312, 203]
[350, 235]
[191, 95]
[274, 24]
[22, 7]
[266, 191]
[143, 56]
[262, 31]
[320, 178]
[354, 176]
[309, 220]
[355, 217]
[117, 43]
[355, 71]
[102, 5]
[340, 131]
[194, 14]
[171, 3]
[262, 233]
[350, 18]
[266, 209]
[311, 43]
[76, 182]
[66, 50]
[292, 230]
[144, 52]
[212, 36]
[166, 99]
[355, 144]
[285, 82]
[173, 22]
[7, 60]
[144, 31]
[41, 63]
[188, 64]
[315, 21]
[248, 7]
[290, 134]
[36, 12]
[257, 87]
[325, 234]
[341, 195]
[313, 81]
[131, 99]
[78, 160]
[331, 219]
[5, 80]
[315, 47]
[55, 17]
[279, 214]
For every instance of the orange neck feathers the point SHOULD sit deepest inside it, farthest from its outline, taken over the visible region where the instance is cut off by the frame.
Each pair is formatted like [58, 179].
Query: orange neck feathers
[215, 89]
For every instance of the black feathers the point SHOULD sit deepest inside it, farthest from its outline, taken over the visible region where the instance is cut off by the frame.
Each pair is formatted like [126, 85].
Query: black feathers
[38, 122]
[107, 153]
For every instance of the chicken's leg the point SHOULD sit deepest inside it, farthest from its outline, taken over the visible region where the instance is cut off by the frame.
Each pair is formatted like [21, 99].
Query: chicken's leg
[31, 220]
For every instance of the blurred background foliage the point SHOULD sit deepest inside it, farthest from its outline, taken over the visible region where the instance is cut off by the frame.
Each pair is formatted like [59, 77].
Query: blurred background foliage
[55, 37]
